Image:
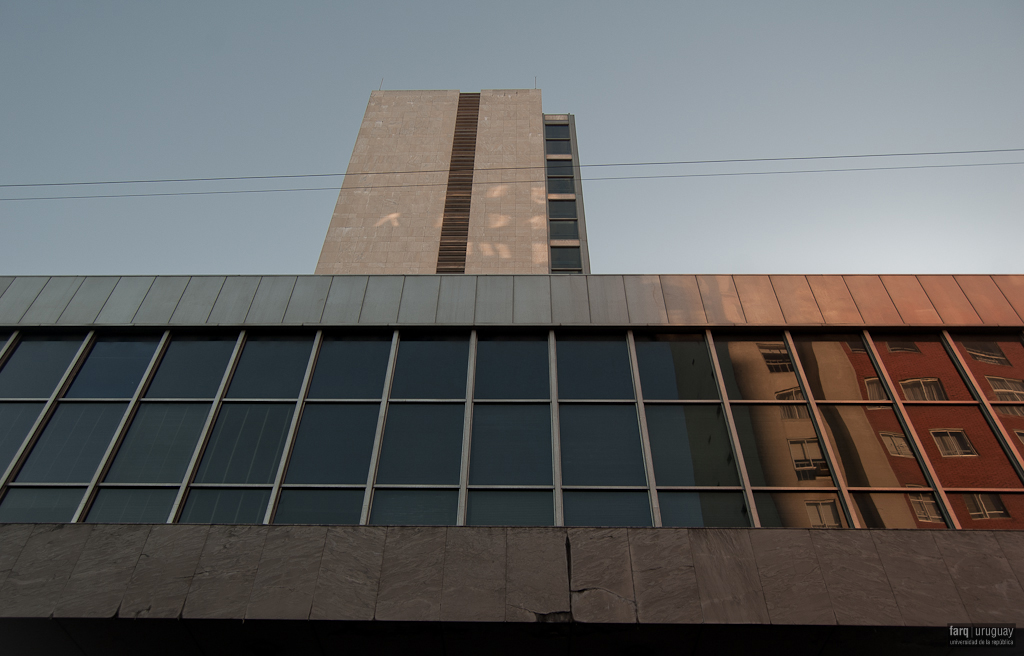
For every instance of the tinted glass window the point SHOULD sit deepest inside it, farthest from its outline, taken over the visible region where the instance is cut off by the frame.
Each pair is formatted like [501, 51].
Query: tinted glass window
[997, 362]
[121, 506]
[415, 507]
[594, 368]
[600, 508]
[246, 443]
[988, 510]
[319, 507]
[271, 369]
[755, 367]
[514, 368]
[911, 510]
[429, 368]
[159, 444]
[780, 446]
[800, 510]
[36, 365]
[507, 508]
[690, 445]
[560, 167]
[225, 507]
[333, 444]
[511, 445]
[601, 445]
[838, 367]
[703, 509]
[34, 504]
[191, 368]
[16, 420]
[556, 131]
[565, 229]
[72, 444]
[920, 368]
[675, 367]
[113, 368]
[350, 369]
[559, 147]
[562, 209]
[561, 186]
[422, 444]
[871, 447]
[566, 257]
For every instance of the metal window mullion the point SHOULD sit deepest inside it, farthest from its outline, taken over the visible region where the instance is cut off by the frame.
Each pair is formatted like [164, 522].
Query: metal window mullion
[378, 436]
[293, 428]
[731, 425]
[645, 440]
[122, 427]
[908, 427]
[988, 409]
[556, 443]
[467, 431]
[48, 408]
[8, 347]
[204, 435]
[819, 427]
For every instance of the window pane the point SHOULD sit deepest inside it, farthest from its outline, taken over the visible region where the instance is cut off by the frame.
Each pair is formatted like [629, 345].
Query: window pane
[36, 365]
[113, 368]
[225, 507]
[556, 131]
[192, 368]
[16, 421]
[800, 510]
[703, 509]
[510, 508]
[414, 507]
[780, 446]
[559, 147]
[511, 445]
[422, 444]
[962, 448]
[246, 443]
[838, 367]
[920, 368]
[319, 507]
[755, 367]
[127, 506]
[690, 445]
[72, 444]
[431, 368]
[565, 229]
[350, 369]
[334, 444]
[566, 257]
[601, 508]
[870, 446]
[889, 510]
[270, 368]
[560, 167]
[997, 363]
[36, 504]
[675, 367]
[601, 445]
[561, 186]
[159, 444]
[512, 368]
[988, 510]
[594, 368]
[562, 209]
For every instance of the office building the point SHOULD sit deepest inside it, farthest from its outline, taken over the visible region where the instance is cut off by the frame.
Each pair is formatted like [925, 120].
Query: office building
[394, 453]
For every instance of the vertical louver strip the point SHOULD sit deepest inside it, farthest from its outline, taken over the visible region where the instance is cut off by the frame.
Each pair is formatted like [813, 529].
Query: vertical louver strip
[451, 257]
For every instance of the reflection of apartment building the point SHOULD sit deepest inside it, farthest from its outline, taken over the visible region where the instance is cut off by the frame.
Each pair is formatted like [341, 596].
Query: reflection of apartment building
[453, 435]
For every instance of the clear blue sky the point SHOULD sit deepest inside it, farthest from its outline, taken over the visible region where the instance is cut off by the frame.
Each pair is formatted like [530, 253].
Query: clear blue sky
[113, 91]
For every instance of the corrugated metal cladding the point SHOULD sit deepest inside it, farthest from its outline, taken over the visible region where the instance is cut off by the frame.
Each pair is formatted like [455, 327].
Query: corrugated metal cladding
[677, 300]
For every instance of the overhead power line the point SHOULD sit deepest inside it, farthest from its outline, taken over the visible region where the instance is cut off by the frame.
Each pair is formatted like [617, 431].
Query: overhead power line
[441, 184]
[513, 168]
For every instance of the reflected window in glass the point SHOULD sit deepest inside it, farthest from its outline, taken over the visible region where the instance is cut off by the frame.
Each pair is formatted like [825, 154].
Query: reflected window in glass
[755, 367]
[834, 368]
[870, 446]
[889, 510]
[36, 366]
[271, 368]
[922, 367]
[799, 510]
[962, 447]
[780, 449]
